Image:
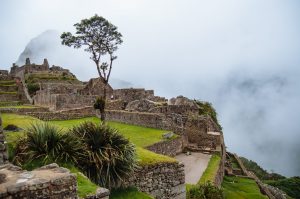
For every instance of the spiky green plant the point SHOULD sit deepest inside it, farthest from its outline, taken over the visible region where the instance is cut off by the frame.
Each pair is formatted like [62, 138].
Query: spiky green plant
[43, 141]
[111, 157]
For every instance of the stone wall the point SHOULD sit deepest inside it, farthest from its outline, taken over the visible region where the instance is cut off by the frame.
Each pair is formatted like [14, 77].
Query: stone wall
[62, 101]
[23, 110]
[162, 180]
[3, 149]
[179, 109]
[170, 147]
[49, 181]
[48, 116]
[196, 129]
[3, 72]
[151, 120]
[221, 170]
[131, 94]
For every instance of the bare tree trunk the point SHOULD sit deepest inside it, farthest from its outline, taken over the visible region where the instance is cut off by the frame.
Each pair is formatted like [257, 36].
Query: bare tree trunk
[102, 111]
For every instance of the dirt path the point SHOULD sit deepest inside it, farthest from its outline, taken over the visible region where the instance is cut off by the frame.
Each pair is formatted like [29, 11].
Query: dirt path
[194, 166]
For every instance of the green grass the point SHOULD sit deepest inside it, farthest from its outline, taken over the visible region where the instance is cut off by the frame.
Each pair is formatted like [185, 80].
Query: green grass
[7, 82]
[8, 93]
[241, 188]
[85, 186]
[146, 157]
[210, 172]
[234, 163]
[21, 121]
[140, 136]
[129, 193]
[19, 106]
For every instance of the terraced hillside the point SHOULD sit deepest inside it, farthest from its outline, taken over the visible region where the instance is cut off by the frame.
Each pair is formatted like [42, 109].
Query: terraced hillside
[10, 92]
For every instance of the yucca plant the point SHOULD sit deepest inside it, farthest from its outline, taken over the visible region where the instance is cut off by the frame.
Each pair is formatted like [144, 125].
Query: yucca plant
[111, 157]
[45, 142]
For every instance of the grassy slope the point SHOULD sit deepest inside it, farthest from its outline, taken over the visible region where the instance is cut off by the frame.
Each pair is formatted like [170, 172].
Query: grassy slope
[241, 188]
[211, 170]
[138, 135]
[130, 193]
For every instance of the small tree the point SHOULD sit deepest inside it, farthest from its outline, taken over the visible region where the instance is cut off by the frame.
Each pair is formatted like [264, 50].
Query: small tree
[100, 38]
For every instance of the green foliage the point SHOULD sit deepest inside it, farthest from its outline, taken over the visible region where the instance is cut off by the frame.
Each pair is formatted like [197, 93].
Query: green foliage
[146, 157]
[99, 104]
[206, 108]
[290, 186]
[45, 142]
[128, 193]
[241, 188]
[110, 157]
[140, 136]
[259, 171]
[211, 170]
[32, 88]
[204, 191]
[85, 186]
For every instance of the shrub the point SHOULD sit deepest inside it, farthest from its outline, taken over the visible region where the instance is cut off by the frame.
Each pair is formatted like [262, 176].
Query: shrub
[206, 108]
[204, 191]
[32, 88]
[45, 142]
[99, 104]
[111, 157]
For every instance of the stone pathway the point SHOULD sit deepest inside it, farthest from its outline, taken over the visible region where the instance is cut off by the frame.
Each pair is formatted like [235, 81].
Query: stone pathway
[194, 166]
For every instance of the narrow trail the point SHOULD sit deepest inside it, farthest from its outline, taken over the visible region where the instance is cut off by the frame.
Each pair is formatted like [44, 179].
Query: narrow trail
[194, 166]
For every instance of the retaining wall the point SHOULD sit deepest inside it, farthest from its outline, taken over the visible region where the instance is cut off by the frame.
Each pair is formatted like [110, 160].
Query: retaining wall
[168, 147]
[163, 180]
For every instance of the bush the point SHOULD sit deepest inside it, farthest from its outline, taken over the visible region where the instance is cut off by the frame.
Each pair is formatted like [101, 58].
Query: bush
[32, 88]
[99, 104]
[110, 156]
[206, 108]
[204, 191]
[45, 142]
[291, 186]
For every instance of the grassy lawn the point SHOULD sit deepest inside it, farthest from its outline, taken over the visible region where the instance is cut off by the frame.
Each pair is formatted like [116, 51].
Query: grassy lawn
[140, 136]
[211, 170]
[129, 193]
[241, 188]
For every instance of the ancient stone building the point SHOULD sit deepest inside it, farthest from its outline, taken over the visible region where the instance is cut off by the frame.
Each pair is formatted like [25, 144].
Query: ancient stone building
[29, 67]
[3, 73]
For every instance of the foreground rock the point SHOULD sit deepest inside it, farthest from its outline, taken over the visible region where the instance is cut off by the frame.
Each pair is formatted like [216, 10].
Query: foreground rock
[50, 181]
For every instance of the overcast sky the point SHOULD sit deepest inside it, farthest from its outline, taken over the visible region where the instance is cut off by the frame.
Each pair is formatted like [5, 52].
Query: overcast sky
[243, 56]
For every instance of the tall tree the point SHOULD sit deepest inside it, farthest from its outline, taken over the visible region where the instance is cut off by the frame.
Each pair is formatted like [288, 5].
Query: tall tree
[101, 39]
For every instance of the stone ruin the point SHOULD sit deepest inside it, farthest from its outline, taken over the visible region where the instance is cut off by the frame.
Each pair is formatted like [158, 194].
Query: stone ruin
[140, 107]
[50, 181]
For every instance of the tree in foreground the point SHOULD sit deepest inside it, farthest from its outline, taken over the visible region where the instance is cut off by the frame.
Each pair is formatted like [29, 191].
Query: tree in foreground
[111, 157]
[101, 39]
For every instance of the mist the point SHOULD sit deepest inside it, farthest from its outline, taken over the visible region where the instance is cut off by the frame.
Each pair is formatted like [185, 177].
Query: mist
[243, 56]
